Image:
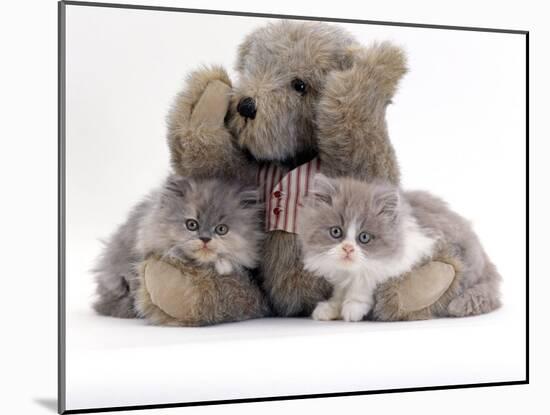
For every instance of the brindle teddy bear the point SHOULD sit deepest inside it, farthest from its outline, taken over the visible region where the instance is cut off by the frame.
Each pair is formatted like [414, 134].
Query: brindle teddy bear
[308, 98]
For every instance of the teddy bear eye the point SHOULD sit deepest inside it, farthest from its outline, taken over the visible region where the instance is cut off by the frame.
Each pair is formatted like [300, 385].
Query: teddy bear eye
[299, 85]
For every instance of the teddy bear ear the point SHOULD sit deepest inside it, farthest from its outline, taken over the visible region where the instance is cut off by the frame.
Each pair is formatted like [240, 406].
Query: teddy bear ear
[382, 59]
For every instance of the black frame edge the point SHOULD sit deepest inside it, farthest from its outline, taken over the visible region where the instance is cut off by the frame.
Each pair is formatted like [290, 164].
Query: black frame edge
[527, 137]
[292, 17]
[291, 397]
[61, 309]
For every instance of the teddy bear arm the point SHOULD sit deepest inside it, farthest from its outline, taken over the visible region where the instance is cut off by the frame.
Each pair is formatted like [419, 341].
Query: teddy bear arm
[171, 294]
[417, 295]
[200, 144]
[292, 290]
[353, 137]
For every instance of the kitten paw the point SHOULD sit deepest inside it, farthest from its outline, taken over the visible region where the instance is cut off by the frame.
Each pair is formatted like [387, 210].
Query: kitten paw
[325, 311]
[354, 311]
[223, 266]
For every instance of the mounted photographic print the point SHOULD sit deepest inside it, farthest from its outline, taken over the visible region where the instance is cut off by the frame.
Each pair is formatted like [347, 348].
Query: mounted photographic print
[258, 207]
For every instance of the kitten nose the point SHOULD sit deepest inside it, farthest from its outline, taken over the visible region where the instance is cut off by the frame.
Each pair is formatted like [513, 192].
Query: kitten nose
[205, 239]
[348, 249]
[247, 108]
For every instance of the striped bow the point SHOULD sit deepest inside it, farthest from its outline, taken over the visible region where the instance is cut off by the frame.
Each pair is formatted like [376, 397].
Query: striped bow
[283, 193]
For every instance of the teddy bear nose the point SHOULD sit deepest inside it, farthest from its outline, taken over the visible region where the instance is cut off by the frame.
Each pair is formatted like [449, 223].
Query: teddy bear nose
[247, 108]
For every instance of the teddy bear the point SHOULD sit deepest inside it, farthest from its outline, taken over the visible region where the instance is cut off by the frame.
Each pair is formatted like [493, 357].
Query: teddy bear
[309, 98]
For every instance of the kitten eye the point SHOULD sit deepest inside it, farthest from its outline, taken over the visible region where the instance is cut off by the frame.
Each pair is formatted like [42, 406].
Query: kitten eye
[192, 224]
[364, 237]
[221, 229]
[336, 232]
[299, 85]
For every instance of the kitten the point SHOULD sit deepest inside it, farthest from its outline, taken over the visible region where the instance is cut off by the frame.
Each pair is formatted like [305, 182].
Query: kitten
[357, 235]
[208, 223]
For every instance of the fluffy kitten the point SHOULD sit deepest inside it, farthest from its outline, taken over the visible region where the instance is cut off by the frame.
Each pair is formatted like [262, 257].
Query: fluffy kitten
[208, 223]
[357, 235]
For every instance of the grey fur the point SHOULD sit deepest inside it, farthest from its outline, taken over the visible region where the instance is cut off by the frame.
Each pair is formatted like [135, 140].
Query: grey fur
[477, 288]
[269, 59]
[115, 272]
[339, 202]
[157, 227]
[340, 118]
[379, 208]
[292, 290]
[352, 141]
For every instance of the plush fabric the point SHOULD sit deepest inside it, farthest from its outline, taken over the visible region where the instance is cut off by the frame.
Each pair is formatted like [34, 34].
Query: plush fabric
[172, 293]
[337, 114]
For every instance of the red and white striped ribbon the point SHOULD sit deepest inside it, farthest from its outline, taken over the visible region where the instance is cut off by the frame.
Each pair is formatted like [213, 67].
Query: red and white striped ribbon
[283, 193]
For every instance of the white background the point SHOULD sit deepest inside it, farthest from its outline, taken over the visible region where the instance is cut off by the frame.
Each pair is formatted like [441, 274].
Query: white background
[458, 125]
[32, 133]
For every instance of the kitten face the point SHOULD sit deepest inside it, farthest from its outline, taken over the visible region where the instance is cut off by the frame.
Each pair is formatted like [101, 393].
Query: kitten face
[210, 222]
[349, 226]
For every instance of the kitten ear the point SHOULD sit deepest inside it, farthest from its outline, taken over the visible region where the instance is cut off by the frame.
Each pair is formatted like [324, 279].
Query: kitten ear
[322, 189]
[387, 202]
[249, 197]
[178, 185]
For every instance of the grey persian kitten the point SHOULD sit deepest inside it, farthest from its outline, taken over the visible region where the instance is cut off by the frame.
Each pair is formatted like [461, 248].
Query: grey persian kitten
[208, 223]
[357, 235]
